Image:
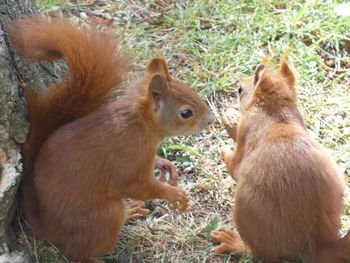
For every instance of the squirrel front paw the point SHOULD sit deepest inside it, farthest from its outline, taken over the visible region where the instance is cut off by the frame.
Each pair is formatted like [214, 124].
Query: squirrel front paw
[178, 199]
[230, 120]
[227, 153]
[165, 166]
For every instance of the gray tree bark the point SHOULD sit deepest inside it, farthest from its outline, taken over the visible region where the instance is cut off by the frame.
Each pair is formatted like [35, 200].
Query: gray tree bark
[14, 72]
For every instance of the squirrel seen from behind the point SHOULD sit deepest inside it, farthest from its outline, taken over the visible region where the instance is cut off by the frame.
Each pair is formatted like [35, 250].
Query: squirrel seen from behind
[289, 197]
[84, 154]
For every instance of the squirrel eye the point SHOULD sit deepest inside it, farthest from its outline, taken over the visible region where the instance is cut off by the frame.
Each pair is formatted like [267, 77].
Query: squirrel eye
[240, 90]
[186, 113]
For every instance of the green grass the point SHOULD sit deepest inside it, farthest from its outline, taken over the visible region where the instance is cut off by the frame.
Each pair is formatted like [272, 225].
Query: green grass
[48, 5]
[212, 45]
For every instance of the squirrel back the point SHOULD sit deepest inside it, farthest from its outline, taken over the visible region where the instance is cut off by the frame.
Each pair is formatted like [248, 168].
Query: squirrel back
[281, 169]
[96, 67]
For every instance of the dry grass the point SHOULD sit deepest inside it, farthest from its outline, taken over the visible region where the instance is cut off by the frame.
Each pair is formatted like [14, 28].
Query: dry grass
[211, 45]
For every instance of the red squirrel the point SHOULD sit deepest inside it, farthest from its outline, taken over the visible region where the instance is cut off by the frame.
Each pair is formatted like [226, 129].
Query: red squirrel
[84, 154]
[289, 196]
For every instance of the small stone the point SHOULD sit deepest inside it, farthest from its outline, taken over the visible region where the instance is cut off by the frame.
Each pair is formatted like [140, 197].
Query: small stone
[330, 62]
[83, 15]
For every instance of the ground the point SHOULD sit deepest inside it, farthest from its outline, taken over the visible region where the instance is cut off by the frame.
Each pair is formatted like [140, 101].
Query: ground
[211, 45]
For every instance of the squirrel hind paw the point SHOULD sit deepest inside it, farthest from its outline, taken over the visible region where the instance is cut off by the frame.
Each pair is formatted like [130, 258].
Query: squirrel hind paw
[229, 240]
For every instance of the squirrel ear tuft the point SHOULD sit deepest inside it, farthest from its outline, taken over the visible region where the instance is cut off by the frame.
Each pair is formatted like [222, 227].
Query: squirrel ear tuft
[287, 71]
[259, 73]
[158, 66]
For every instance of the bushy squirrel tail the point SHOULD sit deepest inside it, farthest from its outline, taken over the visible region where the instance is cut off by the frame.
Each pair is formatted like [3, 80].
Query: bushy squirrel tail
[96, 67]
[335, 252]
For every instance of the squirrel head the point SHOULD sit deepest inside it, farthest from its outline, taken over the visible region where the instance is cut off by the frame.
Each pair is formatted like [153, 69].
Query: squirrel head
[173, 108]
[268, 90]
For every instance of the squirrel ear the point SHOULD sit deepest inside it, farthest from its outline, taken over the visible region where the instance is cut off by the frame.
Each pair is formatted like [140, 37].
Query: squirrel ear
[287, 71]
[259, 73]
[157, 88]
[158, 65]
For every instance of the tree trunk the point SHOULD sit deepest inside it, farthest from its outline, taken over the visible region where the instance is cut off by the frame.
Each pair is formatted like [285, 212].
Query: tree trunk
[13, 125]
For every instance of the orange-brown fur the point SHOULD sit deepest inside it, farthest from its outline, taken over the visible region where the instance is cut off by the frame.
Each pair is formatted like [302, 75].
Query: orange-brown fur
[289, 196]
[83, 154]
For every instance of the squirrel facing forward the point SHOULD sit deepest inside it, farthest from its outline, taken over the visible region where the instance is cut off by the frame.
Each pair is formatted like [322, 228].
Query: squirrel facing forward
[84, 154]
[289, 197]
